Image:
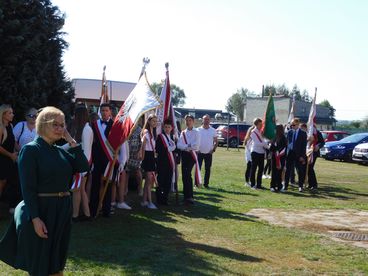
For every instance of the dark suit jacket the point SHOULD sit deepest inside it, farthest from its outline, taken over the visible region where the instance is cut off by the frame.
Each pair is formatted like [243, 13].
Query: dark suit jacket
[320, 143]
[99, 157]
[300, 144]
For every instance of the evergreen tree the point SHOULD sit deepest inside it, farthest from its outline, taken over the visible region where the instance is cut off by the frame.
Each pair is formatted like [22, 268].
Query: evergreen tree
[31, 48]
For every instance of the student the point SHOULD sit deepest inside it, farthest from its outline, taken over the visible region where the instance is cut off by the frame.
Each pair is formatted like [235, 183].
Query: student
[83, 134]
[149, 159]
[248, 158]
[165, 163]
[101, 129]
[312, 179]
[189, 143]
[207, 146]
[258, 148]
[278, 150]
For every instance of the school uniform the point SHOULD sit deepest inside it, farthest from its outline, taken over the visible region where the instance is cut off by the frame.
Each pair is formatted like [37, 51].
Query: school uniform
[166, 164]
[312, 179]
[188, 143]
[290, 160]
[100, 161]
[206, 146]
[278, 149]
[257, 153]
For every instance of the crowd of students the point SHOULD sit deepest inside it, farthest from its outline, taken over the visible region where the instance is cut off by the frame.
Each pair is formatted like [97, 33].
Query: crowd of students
[289, 150]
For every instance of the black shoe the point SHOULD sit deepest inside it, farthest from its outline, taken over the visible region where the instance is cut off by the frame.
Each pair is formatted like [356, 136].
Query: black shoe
[75, 219]
[206, 186]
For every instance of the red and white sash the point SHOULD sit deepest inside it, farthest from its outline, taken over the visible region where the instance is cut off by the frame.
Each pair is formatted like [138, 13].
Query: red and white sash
[106, 148]
[278, 156]
[259, 138]
[198, 178]
[170, 156]
[77, 180]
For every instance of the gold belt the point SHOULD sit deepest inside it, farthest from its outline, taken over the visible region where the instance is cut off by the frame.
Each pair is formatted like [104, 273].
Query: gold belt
[59, 194]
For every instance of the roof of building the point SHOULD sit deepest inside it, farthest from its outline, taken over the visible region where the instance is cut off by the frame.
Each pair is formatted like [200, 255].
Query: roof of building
[91, 89]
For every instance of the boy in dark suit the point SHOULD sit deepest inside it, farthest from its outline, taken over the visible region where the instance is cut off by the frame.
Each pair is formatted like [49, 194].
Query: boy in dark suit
[299, 146]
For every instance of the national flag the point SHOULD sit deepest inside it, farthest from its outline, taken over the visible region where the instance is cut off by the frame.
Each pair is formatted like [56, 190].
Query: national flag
[104, 98]
[312, 128]
[269, 121]
[166, 111]
[139, 101]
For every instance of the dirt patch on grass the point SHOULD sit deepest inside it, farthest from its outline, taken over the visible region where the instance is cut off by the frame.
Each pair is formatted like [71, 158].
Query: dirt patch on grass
[352, 223]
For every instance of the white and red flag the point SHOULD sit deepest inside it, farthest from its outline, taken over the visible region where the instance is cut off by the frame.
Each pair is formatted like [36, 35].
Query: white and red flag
[139, 101]
[104, 98]
[292, 111]
[166, 110]
[312, 128]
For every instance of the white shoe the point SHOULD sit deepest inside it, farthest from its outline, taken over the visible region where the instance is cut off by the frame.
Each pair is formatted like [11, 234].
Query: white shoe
[282, 189]
[11, 211]
[144, 204]
[269, 176]
[151, 206]
[264, 176]
[300, 189]
[123, 205]
[273, 190]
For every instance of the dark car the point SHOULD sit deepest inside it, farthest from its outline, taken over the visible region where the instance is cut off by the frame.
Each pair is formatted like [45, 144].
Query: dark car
[334, 135]
[343, 149]
[236, 134]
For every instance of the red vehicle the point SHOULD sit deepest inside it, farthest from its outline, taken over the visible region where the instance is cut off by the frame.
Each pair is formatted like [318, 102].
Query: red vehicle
[236, 134]
[334, 135]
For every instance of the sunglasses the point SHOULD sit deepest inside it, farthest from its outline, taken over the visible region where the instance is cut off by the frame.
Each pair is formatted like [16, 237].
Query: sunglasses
[33, 116]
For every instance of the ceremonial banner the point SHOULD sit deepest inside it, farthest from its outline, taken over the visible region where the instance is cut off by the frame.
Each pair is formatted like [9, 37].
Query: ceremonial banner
[269, 121]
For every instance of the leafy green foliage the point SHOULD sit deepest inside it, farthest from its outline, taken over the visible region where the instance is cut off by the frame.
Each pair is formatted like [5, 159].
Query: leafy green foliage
[31, 48]
[177, 94]
[327, 104]
[236, 102]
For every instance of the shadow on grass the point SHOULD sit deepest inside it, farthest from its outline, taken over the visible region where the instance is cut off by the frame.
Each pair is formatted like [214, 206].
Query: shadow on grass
[137, 244]
[326, 192]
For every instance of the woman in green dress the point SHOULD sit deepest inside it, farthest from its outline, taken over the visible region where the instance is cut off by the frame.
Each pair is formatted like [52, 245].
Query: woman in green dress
[38, 237]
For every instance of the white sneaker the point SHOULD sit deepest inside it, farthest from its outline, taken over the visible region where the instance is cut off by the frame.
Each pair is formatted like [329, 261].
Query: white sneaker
[144, 203]
[11, 211]
[300, 189]
[273, 190]
[123, 205]
[269, 176]
[264, 176]
[282, 189]
[151, 206]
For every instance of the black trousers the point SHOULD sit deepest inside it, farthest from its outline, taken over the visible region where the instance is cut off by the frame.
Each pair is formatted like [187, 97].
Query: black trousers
[257, 162]
[247, 171]
[267, 168]
[301, 169]
[312, 179]
[207, 157]
[164, 179]
[187, 164]
[97, 175]
[276, 178]
[290, 169]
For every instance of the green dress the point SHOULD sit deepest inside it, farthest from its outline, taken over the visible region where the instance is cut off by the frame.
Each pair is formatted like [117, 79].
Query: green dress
[43, 168]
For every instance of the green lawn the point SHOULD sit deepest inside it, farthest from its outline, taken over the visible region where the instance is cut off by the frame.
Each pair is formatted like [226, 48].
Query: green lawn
[213, 237]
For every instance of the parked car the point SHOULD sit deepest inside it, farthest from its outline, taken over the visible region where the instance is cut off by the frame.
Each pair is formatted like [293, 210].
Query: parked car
[215, 125]
[360, 153]
[343, 149]
[334, 135]
[236, 134]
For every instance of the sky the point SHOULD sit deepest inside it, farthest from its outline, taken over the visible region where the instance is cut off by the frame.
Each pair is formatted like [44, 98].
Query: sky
[215, 47]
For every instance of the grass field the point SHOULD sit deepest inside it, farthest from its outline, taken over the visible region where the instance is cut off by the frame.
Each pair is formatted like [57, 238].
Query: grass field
[214, 237]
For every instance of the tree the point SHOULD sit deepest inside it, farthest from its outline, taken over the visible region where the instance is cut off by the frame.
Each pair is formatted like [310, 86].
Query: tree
[236, 102]
[31, 48]
[305, 96]
[295, 92]
[177, 94]
[282, 90]
[327, 104]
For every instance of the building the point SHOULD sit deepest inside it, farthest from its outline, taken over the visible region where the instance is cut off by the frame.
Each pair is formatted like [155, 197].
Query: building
[256, 107]
[199, 113]
[89, 92]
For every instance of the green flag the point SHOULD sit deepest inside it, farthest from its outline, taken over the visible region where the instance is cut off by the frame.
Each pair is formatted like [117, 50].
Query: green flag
[269, 122]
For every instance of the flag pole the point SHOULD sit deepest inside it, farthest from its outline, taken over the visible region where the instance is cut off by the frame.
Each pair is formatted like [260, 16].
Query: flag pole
[106, 180]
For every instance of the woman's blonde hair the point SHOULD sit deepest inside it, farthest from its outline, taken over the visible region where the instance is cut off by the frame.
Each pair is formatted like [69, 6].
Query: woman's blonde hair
[247, 136]
[3, 109]
[45, 118]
